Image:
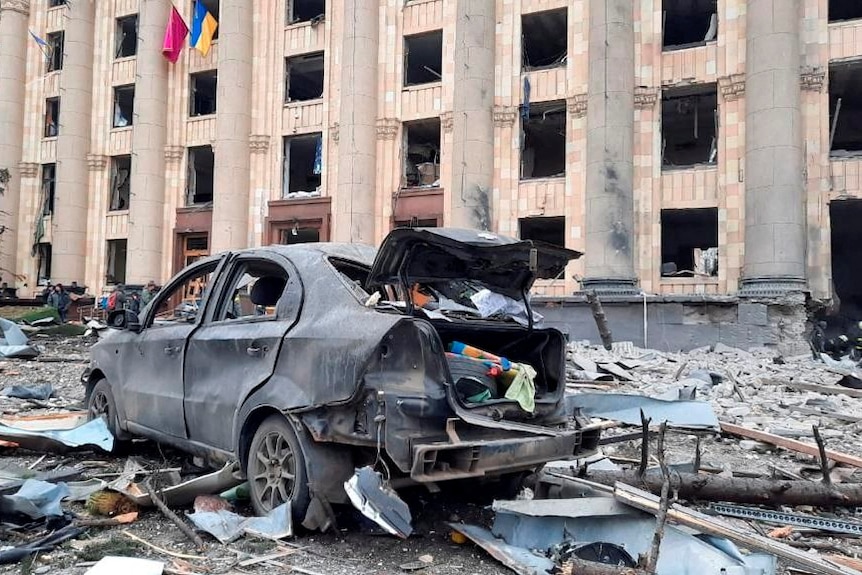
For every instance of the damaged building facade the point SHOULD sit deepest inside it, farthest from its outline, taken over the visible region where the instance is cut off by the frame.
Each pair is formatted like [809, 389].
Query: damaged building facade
[695, 150]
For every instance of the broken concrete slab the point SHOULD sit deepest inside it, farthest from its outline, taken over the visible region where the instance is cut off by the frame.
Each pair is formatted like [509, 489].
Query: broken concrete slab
[58, 437]
[626, 408]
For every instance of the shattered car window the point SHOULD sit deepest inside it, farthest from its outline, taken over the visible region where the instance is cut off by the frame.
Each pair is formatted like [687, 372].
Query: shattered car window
[255, 291]
[183, 303]
[354, 275]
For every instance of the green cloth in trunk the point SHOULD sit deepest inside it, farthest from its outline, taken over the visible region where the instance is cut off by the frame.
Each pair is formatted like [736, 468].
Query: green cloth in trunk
[523, 388]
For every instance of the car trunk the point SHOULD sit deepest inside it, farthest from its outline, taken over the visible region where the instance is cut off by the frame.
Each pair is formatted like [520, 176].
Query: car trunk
[505, 268]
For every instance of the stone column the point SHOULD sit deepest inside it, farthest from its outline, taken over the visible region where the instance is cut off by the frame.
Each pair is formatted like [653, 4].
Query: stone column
[233, 128]
[610, 249]
[774, 191]
[13, 69]
[69, 245]
[473, 114]
[149, 136]
[354, 198]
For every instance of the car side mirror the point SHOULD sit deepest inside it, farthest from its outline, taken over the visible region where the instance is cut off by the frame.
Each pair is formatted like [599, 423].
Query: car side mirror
[124, 319]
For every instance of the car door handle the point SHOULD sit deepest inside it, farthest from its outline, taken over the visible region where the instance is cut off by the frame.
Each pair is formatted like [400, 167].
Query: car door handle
[255, 351]
[171, 350]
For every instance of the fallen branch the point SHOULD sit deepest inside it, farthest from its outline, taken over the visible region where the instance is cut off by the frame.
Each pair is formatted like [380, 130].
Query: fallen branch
[664, 503]
[109, 522]
[644, 444]
[693, 486]
[158, 549]
[601, 321]
[824, 462]
[791, 444]
[186, 530]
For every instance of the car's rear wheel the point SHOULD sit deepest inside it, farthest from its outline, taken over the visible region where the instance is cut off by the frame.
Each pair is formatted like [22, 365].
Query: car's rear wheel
[276, 469]
[101, 403]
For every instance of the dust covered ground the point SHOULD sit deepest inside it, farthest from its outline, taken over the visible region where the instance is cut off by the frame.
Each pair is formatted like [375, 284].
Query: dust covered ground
[759, 400]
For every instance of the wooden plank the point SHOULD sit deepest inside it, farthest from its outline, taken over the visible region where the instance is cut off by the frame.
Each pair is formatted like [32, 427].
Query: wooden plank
[792, 444]
[839, 416]
[824, 389]
[713, 526]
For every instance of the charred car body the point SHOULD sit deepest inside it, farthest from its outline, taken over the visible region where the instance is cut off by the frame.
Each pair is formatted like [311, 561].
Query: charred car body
[304, 362]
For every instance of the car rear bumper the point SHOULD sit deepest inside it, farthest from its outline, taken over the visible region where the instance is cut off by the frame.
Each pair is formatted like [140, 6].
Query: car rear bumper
[461, 459]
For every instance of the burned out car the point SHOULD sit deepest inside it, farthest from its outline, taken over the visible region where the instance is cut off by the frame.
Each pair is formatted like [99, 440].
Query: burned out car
[304, 362]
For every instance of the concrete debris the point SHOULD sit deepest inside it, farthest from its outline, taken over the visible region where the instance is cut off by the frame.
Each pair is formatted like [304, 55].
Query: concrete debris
[127, 566]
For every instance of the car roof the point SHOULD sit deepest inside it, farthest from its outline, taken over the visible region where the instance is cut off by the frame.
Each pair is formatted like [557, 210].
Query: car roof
[359, 253]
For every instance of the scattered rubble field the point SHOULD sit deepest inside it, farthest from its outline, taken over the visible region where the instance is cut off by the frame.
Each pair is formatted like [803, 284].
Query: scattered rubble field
[785, 397]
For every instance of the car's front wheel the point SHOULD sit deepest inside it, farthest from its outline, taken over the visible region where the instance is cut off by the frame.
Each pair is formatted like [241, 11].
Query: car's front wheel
[276, 469]
[101, 403]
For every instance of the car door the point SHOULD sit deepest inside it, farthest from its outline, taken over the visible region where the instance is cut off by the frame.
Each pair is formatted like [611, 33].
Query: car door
[153, 383]
[236, 348]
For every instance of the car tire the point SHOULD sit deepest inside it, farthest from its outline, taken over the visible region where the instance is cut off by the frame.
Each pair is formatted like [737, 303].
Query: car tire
[276, 469]
[101, 403]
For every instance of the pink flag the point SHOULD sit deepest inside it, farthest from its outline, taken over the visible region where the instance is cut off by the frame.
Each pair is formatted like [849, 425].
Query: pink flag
[175, 36]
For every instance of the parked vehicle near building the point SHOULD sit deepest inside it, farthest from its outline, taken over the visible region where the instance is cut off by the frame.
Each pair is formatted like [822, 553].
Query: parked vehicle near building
[304, 362]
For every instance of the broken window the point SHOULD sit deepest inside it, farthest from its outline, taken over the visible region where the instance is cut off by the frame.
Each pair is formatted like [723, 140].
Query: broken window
[305, 11]
[845, 109]
[201, 169]
[204, 87]
[689, 23]
[54, 51]
[55, 3]
[124, 106]
[550, 230]
[543, 140]
[48, 188]
[181, 304]
[844, 10]
[689, 242]
[43, 263]
[299, 234]
[303, 77]
[255, 289]
[421, 141]
[126, 39]
[121, 172]
[689, 125]
[423, 58]
[845, 216]
[544, 38]
[302, 165]
[416, 222]
[115, 272]
[52, 117]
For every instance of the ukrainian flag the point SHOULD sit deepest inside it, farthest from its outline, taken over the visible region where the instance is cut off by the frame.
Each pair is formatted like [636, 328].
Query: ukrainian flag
[204, 26]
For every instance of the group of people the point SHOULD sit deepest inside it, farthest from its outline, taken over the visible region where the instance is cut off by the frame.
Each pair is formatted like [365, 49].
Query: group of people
[59, 297]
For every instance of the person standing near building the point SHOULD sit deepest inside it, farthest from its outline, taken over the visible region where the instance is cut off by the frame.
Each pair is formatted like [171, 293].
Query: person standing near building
[117, 299]
[59, 300]
[148, 293]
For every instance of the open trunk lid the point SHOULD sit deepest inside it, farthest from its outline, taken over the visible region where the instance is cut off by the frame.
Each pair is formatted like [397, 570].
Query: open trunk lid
[506, 265]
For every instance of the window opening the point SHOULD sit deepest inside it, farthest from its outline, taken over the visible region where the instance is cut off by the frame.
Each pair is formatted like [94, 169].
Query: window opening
[52, 117]
[689, 126]
[845, 109]
[313, 11]
[126, 36]
[421, 141]
[844, 10]
[56, 44]
[49, 185]
[201, 169]
[121, 171]
[303, 77]
[544, 39]
[689, 23]
[423, 58]
[116, 269]
[302, 166]
[543, 140]
[43, 262]
[204, 89]
[549, 230]
[124, 106]
[689, 242]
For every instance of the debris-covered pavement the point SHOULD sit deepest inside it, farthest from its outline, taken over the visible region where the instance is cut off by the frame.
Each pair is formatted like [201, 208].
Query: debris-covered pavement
[734, 419]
